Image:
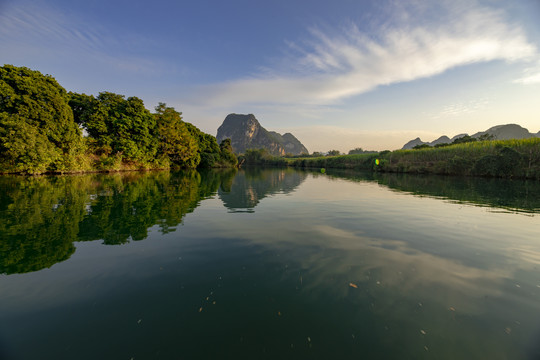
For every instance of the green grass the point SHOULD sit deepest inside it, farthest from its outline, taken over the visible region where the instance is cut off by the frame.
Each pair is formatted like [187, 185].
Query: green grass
[499, 158]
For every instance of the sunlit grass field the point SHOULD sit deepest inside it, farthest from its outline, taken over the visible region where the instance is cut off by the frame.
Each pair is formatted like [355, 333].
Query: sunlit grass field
[495, 158]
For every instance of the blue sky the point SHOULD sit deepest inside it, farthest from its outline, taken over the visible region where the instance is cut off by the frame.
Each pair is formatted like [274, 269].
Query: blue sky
[338, 75]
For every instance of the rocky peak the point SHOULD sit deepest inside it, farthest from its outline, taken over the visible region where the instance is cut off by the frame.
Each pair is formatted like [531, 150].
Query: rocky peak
[499, 132]
[246, 132]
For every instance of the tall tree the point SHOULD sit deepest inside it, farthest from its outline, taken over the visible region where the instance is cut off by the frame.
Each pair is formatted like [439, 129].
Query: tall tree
[37, 130]
[208, 147]
[117, 126]
[175, 141]
[228, 158]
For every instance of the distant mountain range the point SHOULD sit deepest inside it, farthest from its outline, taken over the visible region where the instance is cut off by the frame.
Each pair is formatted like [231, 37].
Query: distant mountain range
[246, 132]
[499, 132]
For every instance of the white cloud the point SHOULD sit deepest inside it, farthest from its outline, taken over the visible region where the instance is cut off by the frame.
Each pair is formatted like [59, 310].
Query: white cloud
[532, 79]
[335, 66]
[457, 110]
[531, 76]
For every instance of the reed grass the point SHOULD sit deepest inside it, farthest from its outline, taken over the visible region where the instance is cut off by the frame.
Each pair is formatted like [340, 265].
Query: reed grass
[518, 158]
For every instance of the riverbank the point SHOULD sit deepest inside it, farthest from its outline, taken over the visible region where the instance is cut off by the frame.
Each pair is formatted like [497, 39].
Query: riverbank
[46, 130]
[499, 158]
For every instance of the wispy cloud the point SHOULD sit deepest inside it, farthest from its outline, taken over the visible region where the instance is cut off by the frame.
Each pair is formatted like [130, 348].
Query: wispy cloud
[530, 76]
[31, 29]
[411, 45]
[461, 108]
[36, 24]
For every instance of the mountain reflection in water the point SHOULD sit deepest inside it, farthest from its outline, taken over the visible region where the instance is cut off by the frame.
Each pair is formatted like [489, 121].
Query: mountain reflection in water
[254, 184]
[43, 216]
[268, 263]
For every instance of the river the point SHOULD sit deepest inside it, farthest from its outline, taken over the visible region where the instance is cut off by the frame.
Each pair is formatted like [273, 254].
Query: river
[269, 264]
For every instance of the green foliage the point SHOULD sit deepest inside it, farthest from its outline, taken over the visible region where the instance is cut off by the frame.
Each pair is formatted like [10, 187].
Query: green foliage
[118, 126]
[37, 131]
[211, 153]
[42, 217]
[82, 106]
[41, 130]
[175, 141]
[109, 162]
[505, 164]
[209, 160]
[261, 157]
[358, 162]
[500, 158]
[359, 150]
[334, 153]
[421, 146]
[442, 145]
[522, 196]
[227, 154]
[458, 165]
[23, 148]
[464, 139]
[486, 137]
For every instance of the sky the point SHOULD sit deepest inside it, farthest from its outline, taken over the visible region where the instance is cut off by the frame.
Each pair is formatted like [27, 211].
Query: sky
[338, 75]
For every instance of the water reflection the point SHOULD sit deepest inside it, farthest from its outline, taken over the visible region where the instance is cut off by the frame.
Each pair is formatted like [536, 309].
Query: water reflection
[252, 185]
[512, 195]
[404, 303]
[43, 216]
[431, 279]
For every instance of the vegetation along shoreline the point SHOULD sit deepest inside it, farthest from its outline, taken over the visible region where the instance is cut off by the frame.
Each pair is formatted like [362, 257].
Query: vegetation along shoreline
[519, 159]
[46, 130]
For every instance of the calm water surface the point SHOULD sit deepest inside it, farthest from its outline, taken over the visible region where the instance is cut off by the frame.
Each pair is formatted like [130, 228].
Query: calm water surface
[269, 264]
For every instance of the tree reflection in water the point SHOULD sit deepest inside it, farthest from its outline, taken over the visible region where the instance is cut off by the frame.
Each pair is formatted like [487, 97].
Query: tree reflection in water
[41, 217]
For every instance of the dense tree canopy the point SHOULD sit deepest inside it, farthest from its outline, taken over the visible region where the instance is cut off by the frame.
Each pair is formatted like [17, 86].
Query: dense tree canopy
[359, 150]
[43, 128]
[227, 153]
[176, 143]
[334, 153]
[212, 155]
[117, 125]
[37, 131]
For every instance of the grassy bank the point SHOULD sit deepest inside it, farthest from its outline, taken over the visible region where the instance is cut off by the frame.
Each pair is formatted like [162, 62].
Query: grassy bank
[499, 158]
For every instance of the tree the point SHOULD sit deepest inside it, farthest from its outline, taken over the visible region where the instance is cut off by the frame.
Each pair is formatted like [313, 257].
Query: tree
[464, 139]
[117, 126]
[486, 137]
[208, 147]
[82, 106]
[357, 150]
[334, 153]
[175, 141]
[37, 130]
[227, 154]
